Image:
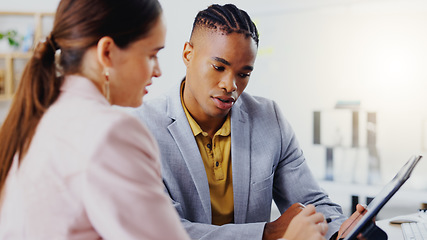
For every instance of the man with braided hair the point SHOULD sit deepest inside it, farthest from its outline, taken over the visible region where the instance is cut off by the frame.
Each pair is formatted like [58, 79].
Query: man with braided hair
[226, 155]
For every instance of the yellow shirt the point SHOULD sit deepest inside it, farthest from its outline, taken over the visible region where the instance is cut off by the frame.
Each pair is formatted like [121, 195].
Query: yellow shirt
[216, 155]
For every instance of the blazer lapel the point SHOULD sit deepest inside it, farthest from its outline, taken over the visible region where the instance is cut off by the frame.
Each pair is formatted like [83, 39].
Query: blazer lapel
[240, 157]
[184, 138]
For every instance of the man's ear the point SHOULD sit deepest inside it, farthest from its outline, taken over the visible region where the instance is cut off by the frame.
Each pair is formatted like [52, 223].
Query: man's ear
[187, 53]
[104, 50]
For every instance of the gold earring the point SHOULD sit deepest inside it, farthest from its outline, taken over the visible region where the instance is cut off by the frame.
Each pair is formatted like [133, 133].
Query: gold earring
[107, 85]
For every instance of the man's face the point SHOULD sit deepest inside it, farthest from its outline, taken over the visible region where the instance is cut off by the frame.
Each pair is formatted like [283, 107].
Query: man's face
[218, 70]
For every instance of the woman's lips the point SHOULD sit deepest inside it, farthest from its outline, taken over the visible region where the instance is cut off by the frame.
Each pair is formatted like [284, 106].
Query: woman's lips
[145, 88]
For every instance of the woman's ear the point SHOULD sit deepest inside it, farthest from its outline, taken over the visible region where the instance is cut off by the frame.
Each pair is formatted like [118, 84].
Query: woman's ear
[104, 50]
[187, 53]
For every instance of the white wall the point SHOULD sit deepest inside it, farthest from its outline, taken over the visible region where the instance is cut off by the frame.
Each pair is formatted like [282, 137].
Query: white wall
[316, 52]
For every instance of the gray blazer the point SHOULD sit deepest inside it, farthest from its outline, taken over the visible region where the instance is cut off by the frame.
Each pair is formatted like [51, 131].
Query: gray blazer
[267, 164]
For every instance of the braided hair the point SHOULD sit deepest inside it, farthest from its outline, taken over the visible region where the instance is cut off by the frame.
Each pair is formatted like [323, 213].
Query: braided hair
[226, 19]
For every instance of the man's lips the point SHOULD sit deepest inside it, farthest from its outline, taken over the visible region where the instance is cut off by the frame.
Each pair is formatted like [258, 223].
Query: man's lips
[224, 102]
[226, 99]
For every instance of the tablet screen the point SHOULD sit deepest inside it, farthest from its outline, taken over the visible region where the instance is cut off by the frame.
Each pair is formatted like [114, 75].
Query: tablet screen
[382, 198]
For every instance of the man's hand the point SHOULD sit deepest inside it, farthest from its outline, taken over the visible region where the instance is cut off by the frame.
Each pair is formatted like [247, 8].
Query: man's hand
[349, 224]
[276, 229]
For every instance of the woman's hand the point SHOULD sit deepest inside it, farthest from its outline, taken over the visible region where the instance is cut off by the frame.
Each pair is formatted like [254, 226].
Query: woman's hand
[308, 224]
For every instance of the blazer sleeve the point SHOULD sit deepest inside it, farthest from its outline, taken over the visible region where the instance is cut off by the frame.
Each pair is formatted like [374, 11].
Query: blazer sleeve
[294, 182]
[124, 195]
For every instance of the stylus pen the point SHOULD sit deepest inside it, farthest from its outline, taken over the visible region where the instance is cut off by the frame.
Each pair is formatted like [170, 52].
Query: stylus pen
[331, 218]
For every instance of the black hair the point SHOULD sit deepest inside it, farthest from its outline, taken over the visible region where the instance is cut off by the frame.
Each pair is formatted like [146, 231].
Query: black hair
[227, 19]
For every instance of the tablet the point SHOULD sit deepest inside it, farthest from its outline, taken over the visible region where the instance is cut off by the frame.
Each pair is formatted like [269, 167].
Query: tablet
[382, 198]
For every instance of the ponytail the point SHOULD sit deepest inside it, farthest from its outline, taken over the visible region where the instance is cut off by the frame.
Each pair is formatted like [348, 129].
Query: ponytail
[37, 90]
[78, 26]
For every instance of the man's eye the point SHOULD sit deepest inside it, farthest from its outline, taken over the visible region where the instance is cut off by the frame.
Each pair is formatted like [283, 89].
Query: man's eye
[218, 68]
[244, 75]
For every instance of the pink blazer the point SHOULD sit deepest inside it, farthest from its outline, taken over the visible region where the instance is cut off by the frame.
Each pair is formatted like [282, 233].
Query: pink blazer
[91, 172]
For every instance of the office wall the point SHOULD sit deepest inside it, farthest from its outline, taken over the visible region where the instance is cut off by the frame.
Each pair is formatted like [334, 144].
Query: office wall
[314, 53]
[371, 51]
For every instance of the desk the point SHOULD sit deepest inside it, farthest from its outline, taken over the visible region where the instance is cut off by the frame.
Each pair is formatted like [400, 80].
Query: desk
[394, 232]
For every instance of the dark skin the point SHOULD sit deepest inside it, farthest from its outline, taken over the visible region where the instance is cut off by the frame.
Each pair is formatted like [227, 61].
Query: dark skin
[277, 228]
[218, 70]
[351, 222]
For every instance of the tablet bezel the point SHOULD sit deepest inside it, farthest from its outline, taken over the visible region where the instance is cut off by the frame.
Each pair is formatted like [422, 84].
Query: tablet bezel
[382, 198]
